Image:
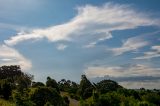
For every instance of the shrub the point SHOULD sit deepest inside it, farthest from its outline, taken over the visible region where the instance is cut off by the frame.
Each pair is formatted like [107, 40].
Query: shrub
[42, 95]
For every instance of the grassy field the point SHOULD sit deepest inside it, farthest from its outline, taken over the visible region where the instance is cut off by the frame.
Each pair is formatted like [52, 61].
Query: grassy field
[6, 103]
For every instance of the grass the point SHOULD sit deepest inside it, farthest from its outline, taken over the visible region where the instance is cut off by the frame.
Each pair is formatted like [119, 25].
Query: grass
[6, 103]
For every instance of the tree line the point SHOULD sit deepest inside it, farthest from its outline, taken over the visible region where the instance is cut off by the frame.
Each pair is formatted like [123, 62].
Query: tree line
[19, 87]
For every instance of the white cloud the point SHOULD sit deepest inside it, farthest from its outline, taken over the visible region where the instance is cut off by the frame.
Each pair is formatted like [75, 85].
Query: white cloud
[119, 71]
[151, 54]
[6, 59]
[137, 85]
[90, 20]
[131, 44]
[101, 71]
[90, 45]
[61, 46]
[102, 38]
[10, 56]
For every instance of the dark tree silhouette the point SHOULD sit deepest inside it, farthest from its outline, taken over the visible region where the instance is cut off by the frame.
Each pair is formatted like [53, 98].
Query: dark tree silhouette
[42, 95]
[6, 89]
[105, 86]
[52, 83]
[37, 84]
[85, 88]
[10, 71]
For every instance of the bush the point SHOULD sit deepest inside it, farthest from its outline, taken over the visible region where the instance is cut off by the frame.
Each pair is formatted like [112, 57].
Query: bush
[152, 98]
[6, 90]
[144, 103]
[66, 100]
[74, 96]
[105, 86]
[22, 100]
[42, 95]
[37, 84]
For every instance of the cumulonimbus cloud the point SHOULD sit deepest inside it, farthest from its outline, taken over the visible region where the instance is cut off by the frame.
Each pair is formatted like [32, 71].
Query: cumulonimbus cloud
[92, 21]
[10, 56]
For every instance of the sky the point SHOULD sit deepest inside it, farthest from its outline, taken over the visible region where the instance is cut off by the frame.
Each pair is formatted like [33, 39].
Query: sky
[114, 39]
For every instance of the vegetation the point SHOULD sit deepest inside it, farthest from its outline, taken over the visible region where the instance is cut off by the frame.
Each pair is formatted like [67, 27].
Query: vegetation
[18, 89]
[6, 103]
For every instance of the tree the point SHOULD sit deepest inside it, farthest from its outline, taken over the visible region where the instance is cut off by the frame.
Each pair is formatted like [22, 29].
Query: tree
[15, 76]
[6, 89]
[64, 85]
[152, 98]
[37, 84]
[44, 95]
[66, 100]
[52, 83]
[85, 88]
[24, 82]
[105, 86]
[73, 87]
[109, 99]
[10, 71]
[61, 85]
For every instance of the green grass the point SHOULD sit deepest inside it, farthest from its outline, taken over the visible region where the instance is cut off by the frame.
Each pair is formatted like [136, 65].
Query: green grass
[6, 103]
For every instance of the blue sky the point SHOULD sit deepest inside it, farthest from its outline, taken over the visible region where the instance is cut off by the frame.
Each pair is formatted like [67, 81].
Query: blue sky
[119, 39]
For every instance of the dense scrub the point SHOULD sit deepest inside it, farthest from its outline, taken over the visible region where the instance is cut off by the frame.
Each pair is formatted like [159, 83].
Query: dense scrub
[18, 89]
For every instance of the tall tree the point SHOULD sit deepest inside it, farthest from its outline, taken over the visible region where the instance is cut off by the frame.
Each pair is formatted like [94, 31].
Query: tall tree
[6, 89]
[52, 83]
[85, 88]
[45, 95]
[10, 71]
[105, 86]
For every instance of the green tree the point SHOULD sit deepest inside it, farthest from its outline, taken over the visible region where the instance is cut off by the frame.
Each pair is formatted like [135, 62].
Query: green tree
[109, 99]
[152, 98]
[61, 84]
[24, 82]
[105, 86]
[6, 89]
[37, 84]
[42, 95]
[22, 100]
[52, 83]
[85, 88]
[15, 76]
[73, 87]
[10, 71]
[66, 100]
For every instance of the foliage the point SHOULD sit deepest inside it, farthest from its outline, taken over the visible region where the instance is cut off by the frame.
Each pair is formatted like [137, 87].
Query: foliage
[10, 71]
[5, 89]
[66, 100]
[37, 84]
[152, 98]
[14, 78]
[52, 83]
[22, 99]
[74, 96]
[105, 86]
[42, 95]
[144, 103]
[6, 103]
[23, 82]
[85, 88]
[15, 86]
[68, 86]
